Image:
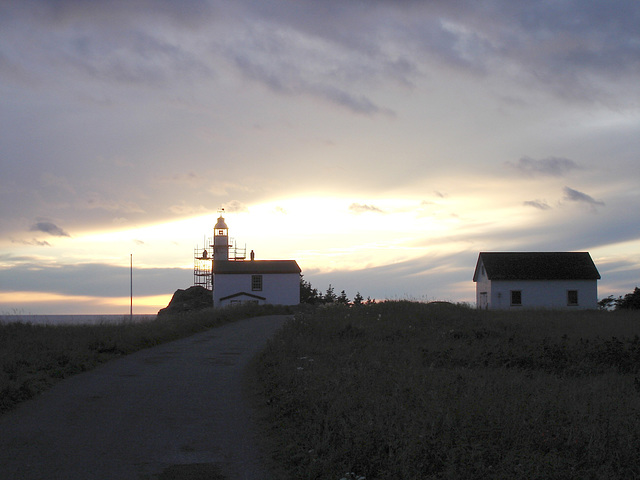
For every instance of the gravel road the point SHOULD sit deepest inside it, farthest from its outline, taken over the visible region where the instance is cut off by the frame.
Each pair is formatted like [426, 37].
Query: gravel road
[175, 411]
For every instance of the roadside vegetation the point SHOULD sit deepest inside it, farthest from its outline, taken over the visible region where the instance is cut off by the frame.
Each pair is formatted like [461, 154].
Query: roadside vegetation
[34, 357]
[406, 390]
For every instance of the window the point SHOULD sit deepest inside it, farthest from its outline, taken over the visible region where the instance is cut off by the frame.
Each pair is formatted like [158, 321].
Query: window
[516, 297]
[572, 297]
[256, 283]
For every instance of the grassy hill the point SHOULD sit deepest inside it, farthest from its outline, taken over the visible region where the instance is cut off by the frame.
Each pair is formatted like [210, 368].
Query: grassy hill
[403, 390]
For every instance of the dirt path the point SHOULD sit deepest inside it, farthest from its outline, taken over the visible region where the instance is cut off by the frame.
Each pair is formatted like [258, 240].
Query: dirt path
[175, 411]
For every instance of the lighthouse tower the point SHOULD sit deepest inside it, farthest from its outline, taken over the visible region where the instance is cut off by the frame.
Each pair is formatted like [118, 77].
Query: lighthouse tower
[221, 240]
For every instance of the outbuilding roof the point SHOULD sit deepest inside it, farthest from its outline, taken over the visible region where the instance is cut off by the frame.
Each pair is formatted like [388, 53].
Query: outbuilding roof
[537, 266]
[255, 266]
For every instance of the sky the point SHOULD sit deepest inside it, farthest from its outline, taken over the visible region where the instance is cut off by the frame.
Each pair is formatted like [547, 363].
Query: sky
[382, 144]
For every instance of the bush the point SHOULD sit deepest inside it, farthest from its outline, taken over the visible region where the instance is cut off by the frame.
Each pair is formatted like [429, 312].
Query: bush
[631, 301]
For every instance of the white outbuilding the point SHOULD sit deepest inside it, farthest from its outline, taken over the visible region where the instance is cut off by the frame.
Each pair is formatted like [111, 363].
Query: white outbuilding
[512, 280]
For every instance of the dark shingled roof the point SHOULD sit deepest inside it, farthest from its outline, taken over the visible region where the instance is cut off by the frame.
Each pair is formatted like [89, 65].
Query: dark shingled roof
[255, 266]
[537, 266]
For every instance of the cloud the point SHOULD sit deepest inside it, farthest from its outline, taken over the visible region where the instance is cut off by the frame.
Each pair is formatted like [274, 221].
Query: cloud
[289, 80]
[235, 206]
[576, 51]
[550, 166]
[539, 204]
[50, 228]
[189, 179]
[572, 195]
[363, 208]
[94, 279]
[40, 243]
[430, 277]
[95, 201]
[185, 209]
[113, 45]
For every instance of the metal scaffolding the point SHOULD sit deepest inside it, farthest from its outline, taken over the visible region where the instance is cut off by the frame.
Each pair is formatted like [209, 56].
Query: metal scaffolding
[202, 266]
[203, 261]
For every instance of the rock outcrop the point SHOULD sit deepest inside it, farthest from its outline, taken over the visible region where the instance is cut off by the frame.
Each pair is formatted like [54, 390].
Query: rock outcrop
[189, 300]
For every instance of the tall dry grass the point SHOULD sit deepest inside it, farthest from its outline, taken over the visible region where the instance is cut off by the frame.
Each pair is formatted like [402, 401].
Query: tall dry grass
[34, 357]
[403, 390]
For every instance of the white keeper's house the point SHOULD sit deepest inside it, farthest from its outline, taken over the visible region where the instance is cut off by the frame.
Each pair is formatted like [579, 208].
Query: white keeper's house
[235, 280]
[513, 280]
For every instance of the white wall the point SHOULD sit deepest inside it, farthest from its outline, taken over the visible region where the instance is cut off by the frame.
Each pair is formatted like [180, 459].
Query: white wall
[483, 285]
[241, 299]
[277, 288]
[540, 293]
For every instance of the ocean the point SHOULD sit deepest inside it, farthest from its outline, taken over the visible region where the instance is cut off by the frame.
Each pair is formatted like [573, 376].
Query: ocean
[75, 319]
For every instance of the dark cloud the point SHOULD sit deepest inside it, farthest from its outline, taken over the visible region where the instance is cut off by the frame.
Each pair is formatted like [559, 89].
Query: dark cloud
[428, 278]
[572, 195]
[331, 49]
[550, 166]
[50, 228]
[363, 208]
[40, 243]
[573, 49]
[560, 230]
[285, 77]
[93, 279]
[118, 12]
[539, 204]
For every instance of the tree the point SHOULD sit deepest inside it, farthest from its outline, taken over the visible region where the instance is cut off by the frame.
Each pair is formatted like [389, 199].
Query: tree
[308, 294]
[329, 296]
[631, 301]
[608, 303]
[357, 300]
[343, 299]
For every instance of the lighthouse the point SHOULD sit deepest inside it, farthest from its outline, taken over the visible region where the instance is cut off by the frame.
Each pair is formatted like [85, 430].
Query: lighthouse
[221, 240]
[220, 248]
[236, 281]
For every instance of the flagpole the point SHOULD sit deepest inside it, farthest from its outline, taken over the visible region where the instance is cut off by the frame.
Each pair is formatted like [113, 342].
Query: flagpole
[131, 287]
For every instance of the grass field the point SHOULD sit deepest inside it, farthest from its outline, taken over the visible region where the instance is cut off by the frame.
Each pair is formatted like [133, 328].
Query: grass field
[34, 357]
[402, 390]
